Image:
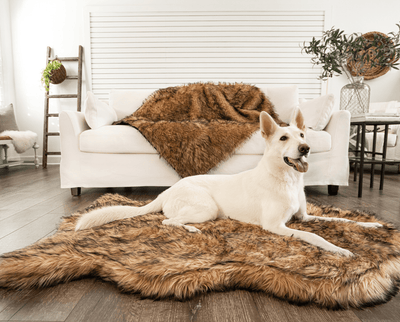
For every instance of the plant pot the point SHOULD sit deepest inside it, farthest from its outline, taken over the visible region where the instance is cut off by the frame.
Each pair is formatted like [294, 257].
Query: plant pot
[58, 75]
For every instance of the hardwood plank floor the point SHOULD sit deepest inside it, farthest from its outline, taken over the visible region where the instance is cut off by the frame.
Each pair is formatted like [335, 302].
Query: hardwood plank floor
[32, 204]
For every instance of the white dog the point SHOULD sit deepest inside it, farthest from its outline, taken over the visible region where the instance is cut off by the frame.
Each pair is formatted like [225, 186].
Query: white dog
[268, 195]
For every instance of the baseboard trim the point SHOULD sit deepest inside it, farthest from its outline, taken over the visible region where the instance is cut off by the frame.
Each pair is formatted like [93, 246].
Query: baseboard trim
[51, 159]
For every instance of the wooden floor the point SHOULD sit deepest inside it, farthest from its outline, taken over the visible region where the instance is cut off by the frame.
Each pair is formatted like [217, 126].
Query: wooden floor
[31, 205]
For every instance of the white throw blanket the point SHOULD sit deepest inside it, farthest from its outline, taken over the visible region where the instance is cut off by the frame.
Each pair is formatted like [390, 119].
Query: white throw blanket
[22, 140]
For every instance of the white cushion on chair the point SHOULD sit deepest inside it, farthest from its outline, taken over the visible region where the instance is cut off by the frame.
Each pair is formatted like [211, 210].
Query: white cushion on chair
[369, 137]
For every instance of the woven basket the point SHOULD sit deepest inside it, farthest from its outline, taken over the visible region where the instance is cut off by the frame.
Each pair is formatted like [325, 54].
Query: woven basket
[369, 72]
[58, 75]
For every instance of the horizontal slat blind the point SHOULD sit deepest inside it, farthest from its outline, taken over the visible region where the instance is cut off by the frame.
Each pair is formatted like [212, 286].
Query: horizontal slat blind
[151, 50]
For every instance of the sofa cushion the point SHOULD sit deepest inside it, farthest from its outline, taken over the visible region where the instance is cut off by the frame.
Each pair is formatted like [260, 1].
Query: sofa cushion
[284, 98]
[126, 102]
[319, 141]
[98, 113]
[318, 111]
[114, 139]
[126, 139]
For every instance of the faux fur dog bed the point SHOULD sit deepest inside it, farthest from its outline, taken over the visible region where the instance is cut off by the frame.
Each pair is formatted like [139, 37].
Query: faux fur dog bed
[197, 126]
[142, 255]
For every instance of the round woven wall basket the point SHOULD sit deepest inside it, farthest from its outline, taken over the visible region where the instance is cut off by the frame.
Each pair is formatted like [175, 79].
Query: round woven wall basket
[58, 75]
[370, 72]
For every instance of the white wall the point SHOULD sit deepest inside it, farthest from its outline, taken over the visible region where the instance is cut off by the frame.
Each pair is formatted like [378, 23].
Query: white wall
[36, 25]
[60, 24]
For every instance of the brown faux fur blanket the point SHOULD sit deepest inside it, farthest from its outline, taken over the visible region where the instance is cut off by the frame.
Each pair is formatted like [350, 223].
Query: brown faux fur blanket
[195, 127]
[141, 255]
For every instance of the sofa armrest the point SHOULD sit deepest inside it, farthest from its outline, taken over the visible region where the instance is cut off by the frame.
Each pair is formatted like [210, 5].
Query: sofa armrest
[396, 130]
[72, 123]
[339, 129]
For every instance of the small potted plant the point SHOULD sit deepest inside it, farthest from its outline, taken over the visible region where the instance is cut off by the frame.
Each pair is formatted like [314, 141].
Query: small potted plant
[356, 56]
[54, 73]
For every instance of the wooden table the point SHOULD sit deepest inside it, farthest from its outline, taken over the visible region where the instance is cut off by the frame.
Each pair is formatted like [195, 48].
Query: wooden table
[360, 158]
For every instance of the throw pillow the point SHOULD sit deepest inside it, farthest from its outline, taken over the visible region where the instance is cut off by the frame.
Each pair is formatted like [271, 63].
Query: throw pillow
[125, 102]
[7, 119]
[284, 98]
[318, 111]
[98, 113]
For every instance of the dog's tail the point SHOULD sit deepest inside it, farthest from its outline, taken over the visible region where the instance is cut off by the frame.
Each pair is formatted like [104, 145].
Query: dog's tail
[105, 215]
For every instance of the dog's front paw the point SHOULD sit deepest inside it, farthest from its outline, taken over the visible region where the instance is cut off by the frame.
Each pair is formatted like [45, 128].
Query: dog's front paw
[343, 252]
[192, 229]
[371, 224]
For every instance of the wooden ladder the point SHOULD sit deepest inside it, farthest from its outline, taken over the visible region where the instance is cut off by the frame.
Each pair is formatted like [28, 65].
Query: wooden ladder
[47, 113]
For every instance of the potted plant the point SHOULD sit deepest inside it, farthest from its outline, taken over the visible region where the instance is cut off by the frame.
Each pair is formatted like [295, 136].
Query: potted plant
[54, 73]
[356, 56]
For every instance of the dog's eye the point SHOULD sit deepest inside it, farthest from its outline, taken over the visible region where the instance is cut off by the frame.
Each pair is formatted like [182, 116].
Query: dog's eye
[283, 138]
[302, 135]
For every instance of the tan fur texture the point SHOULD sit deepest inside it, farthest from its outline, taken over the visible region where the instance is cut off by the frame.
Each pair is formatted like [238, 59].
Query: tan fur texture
[197, 126]
[142, 255]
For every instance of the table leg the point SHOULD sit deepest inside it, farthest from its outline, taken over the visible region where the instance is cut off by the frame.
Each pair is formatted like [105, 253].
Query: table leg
[356, 153]
[373, 157]
[361, 174]
[384, 156]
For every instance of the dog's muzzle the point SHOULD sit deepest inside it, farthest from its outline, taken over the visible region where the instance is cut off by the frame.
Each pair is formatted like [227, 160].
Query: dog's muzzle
[299, 164]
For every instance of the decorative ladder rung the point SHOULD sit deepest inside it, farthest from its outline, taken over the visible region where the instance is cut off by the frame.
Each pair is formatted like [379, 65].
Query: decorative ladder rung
[63, 96]
[47, 113]
[67, 58]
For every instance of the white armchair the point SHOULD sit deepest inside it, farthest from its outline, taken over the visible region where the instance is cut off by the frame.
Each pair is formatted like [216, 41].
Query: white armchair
[393, 144]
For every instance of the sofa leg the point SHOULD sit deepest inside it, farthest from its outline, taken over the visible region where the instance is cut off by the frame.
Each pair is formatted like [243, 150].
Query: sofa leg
[333, 190]
[76, 191]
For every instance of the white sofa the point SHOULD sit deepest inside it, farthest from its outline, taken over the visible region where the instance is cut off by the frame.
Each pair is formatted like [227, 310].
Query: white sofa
[119, 156]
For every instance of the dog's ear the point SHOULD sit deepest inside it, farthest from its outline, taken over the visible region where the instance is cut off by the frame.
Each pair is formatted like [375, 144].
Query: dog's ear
[298, 119]
[267, 125]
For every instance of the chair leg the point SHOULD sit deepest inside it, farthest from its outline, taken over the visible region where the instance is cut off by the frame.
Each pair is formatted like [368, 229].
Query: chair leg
[36, 161]
[333, 190]
[76, 191]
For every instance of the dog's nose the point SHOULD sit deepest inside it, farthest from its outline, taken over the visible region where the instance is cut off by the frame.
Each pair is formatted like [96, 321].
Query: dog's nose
[304, 149]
